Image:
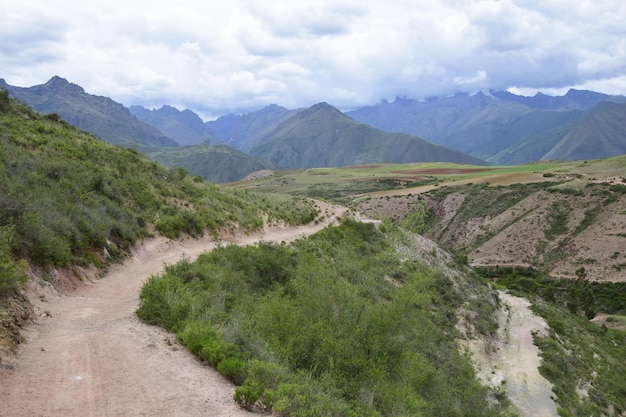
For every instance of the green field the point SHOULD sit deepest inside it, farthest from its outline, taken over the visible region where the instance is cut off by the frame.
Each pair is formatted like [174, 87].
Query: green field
[346, 183]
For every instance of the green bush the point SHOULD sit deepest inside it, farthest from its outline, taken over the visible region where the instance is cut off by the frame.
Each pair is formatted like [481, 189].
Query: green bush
[164, 301]
[5, 101]
[233, 369]
[12, 274]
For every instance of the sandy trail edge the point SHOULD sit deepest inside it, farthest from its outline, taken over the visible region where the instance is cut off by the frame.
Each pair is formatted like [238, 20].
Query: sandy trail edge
[512, 361]
[93, 357]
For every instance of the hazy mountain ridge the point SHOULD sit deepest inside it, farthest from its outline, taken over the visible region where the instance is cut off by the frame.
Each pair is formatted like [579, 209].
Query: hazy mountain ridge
[322, 136]
[155, 132]
[503, 128]
[103, 117]
[496, 127]
[243, 131]
[185, 127]
[216, 163]
[572, 100]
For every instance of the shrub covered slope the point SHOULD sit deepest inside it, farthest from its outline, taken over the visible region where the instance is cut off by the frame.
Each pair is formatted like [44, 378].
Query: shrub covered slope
[66, 196]
[335, 324]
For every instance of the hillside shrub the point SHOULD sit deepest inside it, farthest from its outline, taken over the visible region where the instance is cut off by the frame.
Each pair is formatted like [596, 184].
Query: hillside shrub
[315, 328]
[557, 220]
[12, 274]
[5, 101]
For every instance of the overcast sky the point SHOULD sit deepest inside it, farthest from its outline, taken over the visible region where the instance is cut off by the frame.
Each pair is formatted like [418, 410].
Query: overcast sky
[220, 56]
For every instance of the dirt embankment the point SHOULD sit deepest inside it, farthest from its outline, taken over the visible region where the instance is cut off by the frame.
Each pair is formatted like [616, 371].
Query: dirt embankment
[88, 355]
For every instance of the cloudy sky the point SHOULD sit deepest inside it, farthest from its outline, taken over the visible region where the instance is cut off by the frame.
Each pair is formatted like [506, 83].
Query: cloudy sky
[220, 56]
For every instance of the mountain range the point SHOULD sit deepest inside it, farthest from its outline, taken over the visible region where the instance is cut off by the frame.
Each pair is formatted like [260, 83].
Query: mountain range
[495, 127]
[185, 127]
[103, 117]
[322, 136]
[506, 129]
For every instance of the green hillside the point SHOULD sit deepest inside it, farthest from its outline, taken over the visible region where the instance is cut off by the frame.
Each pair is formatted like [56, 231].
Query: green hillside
[213, 163]
[66, 197]
[322, 136]
[601, 132]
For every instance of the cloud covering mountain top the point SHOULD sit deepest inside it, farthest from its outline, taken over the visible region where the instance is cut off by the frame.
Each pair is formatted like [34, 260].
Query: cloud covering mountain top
[219, 57]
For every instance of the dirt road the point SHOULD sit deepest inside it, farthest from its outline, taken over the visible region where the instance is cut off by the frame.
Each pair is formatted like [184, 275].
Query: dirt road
[92, 357]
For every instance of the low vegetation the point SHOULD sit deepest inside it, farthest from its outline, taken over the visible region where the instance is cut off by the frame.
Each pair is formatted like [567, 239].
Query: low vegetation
[68, 198]
[348, 321]
[335, 324]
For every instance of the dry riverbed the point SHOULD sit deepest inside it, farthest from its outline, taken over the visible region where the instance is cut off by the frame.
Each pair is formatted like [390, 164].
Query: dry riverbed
[511, 361]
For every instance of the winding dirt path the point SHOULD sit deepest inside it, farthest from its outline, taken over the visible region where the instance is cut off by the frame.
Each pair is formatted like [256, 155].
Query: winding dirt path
[93, 357]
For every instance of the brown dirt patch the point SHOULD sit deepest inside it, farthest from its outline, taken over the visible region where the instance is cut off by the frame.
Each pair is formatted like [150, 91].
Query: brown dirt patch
[511, 361]
[444, 171]
[370, 166]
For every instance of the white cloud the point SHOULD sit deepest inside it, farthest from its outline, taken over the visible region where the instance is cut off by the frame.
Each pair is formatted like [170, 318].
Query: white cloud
[241, 55]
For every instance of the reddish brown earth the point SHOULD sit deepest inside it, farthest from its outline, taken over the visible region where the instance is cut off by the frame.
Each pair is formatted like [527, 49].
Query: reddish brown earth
[444, 171]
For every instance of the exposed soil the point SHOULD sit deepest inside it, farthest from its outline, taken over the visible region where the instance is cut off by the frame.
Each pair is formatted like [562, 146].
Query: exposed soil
[517, 234]
[444, 171]
[88, 354]
[511, 361]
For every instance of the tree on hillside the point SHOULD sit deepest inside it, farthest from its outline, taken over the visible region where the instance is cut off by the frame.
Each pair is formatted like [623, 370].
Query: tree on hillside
[581, 296]
[5, 101]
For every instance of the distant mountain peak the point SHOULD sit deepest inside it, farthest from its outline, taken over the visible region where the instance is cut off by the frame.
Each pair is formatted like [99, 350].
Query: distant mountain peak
[325, 107]
[322, 105]
[403, 100]
[99, 115]
[584, 94]
[58, 83]
[58, 79]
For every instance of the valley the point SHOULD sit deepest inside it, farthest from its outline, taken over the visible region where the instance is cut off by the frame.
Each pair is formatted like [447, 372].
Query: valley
[348, 319]
[519, 215]
[487, 128]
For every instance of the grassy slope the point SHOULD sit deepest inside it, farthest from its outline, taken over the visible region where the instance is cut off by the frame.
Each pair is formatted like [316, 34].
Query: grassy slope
[65, 185]
[97, 114]
[67, 198]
